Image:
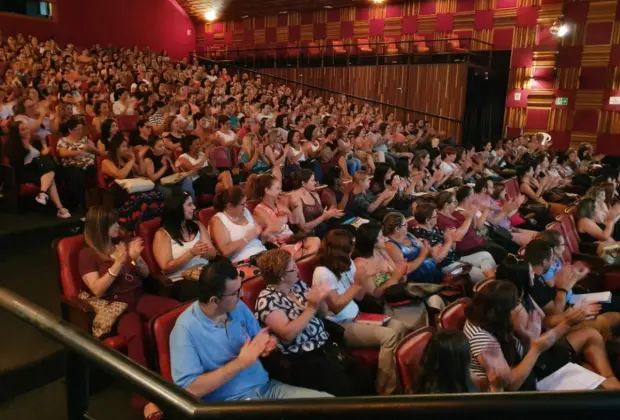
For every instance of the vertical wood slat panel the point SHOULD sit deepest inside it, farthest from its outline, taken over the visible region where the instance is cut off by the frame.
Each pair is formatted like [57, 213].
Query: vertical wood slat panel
[434, 88]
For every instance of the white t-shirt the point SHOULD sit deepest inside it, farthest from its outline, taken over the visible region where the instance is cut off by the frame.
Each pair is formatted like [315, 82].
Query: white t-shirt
[350, 312]
[447, 168]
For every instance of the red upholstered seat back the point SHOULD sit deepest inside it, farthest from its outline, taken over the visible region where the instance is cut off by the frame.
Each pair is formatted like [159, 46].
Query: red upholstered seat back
[306, 268]
[251, 205]
[52, 143]
[250, 290]
[567, 223]
[512, 188]
[160, 328]
[147, 231]
[453, 316]
[68, 252]
[408, 355]
[205, 215]
[127, 123]
[100, 178]
[220, 157]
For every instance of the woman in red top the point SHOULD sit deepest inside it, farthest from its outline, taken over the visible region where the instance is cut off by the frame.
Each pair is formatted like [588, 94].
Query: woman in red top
[457, 213]
[113, 270]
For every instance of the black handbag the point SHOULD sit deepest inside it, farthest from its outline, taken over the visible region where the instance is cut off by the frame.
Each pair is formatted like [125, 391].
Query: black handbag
[411, 292]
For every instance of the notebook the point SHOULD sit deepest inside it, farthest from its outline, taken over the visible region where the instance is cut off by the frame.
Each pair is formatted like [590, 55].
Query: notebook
[570, 377]
[600, 297]
[372, 319]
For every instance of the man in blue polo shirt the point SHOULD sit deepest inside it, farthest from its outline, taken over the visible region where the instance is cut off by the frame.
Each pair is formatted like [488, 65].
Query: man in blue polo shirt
[216, 343]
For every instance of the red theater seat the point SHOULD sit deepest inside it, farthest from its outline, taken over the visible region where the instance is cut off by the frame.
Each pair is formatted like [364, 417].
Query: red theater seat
[250, 289]
[147, 231]
[338, 48]
[420, 46]
[220, 157]
[205, 215]
[390, 47]
[127, 123]
[363, 46]
[306, 268]
[408, 356]
[454, 44]
[453, 316]
[75, 310]
[160, 328]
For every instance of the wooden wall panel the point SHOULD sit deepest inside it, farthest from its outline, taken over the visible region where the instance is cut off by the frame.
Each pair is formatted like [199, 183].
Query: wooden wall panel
[433, 88]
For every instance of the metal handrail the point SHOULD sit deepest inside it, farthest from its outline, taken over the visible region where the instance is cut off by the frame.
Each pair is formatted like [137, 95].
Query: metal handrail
[314, 87]
[378, 43]
[179, 404]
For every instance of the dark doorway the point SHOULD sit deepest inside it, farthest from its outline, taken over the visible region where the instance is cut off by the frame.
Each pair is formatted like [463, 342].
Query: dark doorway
[485, 100]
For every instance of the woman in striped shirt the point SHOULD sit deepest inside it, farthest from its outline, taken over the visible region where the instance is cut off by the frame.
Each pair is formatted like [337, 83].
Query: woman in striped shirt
[489, 328]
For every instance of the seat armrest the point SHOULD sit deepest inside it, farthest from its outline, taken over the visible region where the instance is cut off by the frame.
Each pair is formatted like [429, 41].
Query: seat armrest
[159, 284]
[77, 312]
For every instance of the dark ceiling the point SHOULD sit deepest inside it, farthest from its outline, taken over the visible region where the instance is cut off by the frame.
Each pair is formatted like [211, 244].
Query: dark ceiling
[236, 9]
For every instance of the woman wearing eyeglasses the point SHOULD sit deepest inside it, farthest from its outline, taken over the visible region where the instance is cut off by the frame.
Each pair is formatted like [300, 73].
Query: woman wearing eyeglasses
[305, 355]
[113, 270]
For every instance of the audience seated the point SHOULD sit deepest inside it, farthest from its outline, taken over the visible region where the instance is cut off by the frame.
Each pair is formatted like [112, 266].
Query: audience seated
[181, 243]
[112, 270]
[233, 229]
[445, 366]
[132, 207]
[293, 312]
[216, 344]
[489, 328]
[364, 203]
[273, 217]
[32, 163]
[77, 157]
[403, 246]
[535, 313]
[372, 258]
[444, 242]
[308, 212]
[335, 267]
[466, 217]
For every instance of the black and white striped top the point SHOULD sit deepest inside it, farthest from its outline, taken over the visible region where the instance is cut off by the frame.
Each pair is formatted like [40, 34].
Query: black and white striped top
[481, 340]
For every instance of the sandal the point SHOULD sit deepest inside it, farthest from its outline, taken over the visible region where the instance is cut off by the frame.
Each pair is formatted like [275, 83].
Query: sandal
[41, 198]
[63, 213]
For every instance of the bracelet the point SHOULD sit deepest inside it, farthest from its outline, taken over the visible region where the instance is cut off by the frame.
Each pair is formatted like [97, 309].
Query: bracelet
[562, 289]
[245, 240]
[112, 274]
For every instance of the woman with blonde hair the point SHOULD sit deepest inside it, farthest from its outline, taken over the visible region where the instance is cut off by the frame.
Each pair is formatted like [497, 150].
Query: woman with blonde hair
[252, 157]
[113, 269]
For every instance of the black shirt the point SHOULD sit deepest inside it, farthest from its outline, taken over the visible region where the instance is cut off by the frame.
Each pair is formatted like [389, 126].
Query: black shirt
[542, 293]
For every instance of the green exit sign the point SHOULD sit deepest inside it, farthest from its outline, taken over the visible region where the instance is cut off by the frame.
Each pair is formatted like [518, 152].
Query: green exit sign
[561, 101]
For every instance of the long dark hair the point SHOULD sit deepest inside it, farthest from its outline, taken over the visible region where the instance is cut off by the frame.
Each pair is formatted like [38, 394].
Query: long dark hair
[335, 251]
[115, 144]
[173, 219]
[15, 150]
[585, 209]
[517, 272]
[106, 127]
[491, 310]
[366, 239]
[444, 367]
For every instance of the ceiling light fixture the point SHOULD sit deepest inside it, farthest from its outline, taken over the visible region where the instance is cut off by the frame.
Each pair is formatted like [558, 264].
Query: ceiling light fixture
[377, 1]
[559, 28]
[245, 16]
[328, 7]
[210, 15]
[283, 13]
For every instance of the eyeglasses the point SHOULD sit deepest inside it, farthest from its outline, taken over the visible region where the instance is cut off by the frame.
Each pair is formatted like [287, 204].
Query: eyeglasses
[236, 294]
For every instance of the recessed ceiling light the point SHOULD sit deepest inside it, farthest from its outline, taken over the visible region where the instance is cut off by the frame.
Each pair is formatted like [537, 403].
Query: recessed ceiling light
[377, 1]
[283, 13]
[328, 7]
[245, 17]
[210, 15]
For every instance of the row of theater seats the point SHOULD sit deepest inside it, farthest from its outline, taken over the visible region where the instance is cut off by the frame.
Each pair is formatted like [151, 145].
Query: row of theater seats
[418, 44]
[80, 314]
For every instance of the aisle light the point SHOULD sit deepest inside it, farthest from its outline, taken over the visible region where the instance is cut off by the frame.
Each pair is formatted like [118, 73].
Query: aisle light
[559, 28]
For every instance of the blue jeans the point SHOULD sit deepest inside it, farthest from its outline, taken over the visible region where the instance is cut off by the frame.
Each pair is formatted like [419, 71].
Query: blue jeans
[353, 165]
[168, 191]
[276, 390]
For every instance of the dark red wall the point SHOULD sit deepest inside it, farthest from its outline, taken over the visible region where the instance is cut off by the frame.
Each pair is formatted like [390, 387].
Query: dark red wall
[159, 24]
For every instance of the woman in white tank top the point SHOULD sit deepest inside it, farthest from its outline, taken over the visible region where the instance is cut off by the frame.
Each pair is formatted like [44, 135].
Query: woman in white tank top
[180, 244]
[233, 229]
